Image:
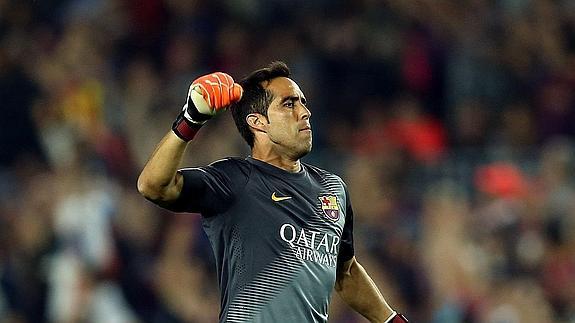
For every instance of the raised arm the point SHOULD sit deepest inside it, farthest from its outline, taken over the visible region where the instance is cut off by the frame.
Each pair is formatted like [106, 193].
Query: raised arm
[159, 181]
[358, 290]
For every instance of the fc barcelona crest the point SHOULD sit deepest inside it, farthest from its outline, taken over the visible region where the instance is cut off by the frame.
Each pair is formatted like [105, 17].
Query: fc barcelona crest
[330, 207]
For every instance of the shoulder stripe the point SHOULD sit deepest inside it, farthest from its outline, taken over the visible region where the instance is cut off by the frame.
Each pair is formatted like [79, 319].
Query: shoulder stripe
[193, 168]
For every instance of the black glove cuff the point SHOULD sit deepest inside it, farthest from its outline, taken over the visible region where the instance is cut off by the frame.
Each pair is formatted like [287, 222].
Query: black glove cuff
[184, 128]
[399, 318]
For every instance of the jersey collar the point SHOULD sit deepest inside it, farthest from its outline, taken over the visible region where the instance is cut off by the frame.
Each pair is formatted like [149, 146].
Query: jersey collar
[269, 168]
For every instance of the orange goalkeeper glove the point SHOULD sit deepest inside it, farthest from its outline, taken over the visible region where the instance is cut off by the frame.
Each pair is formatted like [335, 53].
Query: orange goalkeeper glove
[207, 96]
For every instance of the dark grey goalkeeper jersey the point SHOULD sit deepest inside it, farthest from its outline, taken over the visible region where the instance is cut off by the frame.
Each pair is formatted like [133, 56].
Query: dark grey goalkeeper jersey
[277, 236]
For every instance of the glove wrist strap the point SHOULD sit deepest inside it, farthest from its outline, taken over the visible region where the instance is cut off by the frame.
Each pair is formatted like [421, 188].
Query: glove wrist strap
[390, 317]
[185, 128]
[396, 318]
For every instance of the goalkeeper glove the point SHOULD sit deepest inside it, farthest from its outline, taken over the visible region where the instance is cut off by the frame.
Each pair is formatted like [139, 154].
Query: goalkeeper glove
[396, 318]
[207, 96]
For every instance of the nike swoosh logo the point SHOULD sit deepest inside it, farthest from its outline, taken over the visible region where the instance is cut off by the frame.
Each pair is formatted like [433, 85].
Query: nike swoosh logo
[279, 198]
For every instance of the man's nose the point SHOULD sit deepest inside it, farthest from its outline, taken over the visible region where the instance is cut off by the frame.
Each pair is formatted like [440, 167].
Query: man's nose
[305, 114]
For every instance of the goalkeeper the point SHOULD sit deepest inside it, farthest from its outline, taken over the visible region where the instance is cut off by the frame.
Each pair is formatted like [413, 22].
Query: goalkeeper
[281, 230]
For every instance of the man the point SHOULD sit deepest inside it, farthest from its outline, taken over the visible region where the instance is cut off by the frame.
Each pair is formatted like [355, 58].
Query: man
[281, 230]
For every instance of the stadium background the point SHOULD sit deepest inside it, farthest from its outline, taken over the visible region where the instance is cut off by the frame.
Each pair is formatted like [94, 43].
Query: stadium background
[452, 121]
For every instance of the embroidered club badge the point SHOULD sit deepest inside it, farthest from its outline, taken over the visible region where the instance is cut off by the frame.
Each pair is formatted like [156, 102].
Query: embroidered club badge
[330, 207]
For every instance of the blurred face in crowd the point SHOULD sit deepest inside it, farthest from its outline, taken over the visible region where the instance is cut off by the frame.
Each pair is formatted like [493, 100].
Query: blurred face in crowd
[288, 119]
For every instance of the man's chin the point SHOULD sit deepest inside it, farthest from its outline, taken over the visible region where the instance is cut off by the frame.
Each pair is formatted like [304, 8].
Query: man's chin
[304, 151]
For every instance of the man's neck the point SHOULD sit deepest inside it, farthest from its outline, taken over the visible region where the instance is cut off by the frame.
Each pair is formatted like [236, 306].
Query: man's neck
[285, 163]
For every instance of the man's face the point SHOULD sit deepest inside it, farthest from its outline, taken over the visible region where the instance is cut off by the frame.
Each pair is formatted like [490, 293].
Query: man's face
[289, 128]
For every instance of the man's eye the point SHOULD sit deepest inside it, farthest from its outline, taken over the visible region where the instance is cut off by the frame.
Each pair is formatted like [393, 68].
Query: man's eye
[288, 104]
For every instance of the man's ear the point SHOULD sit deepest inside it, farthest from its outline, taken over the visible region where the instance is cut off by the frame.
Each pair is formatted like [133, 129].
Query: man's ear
[257, 121]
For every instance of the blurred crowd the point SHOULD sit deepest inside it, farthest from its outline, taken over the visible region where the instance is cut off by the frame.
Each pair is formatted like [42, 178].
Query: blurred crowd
[452, 121]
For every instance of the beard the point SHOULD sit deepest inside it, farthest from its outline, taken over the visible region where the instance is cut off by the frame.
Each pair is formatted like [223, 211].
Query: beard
[293, 147]
[302, 152]
[301, 149]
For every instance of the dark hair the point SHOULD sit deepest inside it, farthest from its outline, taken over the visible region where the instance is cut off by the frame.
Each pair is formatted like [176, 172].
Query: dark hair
[256, 99]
